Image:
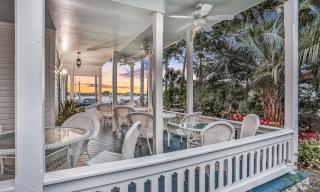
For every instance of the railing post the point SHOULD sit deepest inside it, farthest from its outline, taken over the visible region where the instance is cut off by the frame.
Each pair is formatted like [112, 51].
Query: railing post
[291, 16]
[189, 52]
[157, 96]
[29, 98]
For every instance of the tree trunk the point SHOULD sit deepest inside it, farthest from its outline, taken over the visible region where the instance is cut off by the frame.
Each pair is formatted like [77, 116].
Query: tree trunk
[273, 105]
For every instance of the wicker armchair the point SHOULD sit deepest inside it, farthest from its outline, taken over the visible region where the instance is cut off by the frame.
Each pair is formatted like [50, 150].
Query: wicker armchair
[216, 132]
[146, 120]
[86, 120]
[120, 114]
[132, 104]
[128, 148]
[250, 125]
[105, 113]
[193, 117]
[177, 129]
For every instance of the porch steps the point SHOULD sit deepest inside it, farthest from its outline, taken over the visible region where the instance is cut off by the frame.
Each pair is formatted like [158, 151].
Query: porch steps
[282, 183]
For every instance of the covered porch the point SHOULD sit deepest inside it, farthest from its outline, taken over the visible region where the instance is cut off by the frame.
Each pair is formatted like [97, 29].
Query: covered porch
[131, 32]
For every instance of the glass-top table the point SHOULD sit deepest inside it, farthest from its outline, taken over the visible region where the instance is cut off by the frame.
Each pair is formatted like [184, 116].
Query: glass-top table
[55, 137]
[195, 125]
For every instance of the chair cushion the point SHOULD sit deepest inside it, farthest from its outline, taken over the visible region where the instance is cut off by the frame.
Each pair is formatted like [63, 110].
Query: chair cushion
[104, 157]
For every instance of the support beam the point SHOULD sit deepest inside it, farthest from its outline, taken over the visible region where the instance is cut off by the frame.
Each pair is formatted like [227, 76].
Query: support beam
[157, 96]
[189, 52]
[71, 94]
[131, 81]
[150, 80]
[29, 94]
[114, 85]
[291, 16]
[142, 83]
[96, 88]
[100, 78]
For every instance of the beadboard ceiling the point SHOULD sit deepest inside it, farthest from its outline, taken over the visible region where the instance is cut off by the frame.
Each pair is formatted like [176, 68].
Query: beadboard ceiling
[96, 27]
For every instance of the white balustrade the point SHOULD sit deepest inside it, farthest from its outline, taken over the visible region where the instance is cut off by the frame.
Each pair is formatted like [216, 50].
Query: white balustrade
[236, 165]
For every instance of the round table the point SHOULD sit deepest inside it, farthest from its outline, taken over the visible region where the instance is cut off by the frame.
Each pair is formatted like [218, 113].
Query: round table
[55, 139]
[192, 131]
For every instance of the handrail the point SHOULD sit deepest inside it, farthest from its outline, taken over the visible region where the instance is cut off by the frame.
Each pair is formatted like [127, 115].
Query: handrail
[133, 169]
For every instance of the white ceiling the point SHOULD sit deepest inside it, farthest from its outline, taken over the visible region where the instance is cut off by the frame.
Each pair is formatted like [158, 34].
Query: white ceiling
[96, 27]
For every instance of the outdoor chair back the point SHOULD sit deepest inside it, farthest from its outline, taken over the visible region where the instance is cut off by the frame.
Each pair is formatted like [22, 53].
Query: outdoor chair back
[193, 117]
[130, 141]
[217, 132]
[146, 120]
[104, 112]
[250, 125]
[131, 104]
[120, 114]
[85, 120]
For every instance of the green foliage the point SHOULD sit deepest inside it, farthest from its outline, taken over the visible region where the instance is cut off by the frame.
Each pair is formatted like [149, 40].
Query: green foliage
[309, 154]
[66, 110]
[309, 105]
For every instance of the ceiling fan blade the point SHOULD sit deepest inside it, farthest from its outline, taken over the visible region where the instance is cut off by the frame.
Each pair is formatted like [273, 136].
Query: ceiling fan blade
[181, 17]
[205, 10]
[220, 17]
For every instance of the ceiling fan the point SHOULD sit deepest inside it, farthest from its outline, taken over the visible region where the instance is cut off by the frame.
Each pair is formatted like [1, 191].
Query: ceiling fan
[200, 17]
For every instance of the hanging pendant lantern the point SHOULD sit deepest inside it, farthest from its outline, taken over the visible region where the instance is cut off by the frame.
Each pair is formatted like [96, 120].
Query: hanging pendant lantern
[78, 62]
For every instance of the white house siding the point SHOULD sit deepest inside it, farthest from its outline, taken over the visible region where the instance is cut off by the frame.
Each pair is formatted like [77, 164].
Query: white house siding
[7, 78]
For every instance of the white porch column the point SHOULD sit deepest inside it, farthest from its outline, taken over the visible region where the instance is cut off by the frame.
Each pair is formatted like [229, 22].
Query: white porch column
[96, 88]
[114, 85]
[72, 85]
[131, 81]
[142, 82]
[29, 97]
[100, 85]
[291, 16]
[157, 96]
[189, 52]
[150, 80]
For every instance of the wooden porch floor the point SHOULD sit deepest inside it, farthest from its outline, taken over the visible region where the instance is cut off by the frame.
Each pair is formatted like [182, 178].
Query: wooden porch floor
[106, 140]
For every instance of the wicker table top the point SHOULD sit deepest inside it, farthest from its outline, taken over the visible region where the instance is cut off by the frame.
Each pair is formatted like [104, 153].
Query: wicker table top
[55, 137]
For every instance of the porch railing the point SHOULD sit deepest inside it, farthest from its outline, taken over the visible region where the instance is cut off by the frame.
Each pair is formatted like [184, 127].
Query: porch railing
[238, 165]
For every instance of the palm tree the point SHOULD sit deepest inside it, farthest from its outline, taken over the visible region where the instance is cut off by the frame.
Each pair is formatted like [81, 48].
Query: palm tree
[263, 44]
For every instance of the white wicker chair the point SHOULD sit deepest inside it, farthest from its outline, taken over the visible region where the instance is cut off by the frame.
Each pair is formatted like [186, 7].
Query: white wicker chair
[131, 104]
[250, 125]
[128, 148]
[177, 129]
[120, 114]
[193, 117]
[216, 132]
[7, 166]
[105, 113]
[86, 120]
[146, 120]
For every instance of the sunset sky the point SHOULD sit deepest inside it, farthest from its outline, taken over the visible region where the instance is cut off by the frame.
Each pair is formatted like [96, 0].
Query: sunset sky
[87, 83]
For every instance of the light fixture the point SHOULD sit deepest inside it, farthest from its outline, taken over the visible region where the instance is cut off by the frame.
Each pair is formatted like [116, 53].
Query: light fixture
[78, 60]
[64, 72]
